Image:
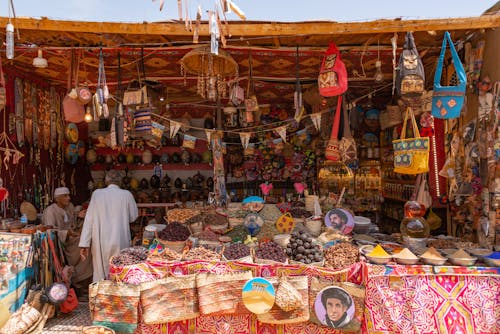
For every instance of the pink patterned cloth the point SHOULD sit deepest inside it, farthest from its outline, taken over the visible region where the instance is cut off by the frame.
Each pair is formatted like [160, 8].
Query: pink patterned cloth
[426, 299]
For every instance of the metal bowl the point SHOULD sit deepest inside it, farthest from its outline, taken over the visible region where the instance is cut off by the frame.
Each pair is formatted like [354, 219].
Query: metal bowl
[463, 261]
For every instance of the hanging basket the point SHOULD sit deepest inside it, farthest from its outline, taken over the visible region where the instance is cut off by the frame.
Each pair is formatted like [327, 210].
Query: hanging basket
[201, 61]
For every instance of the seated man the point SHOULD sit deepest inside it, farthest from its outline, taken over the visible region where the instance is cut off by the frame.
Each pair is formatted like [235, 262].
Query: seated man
[68, 222]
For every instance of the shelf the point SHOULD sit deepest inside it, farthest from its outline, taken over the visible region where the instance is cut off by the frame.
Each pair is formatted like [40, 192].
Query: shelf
[395, 199]
[138, 151]
[200, 166]
[408, 182]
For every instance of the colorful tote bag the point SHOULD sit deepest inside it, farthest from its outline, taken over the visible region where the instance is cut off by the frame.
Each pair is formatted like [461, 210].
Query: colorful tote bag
[411, 155]
[447, 101]
[332, 78]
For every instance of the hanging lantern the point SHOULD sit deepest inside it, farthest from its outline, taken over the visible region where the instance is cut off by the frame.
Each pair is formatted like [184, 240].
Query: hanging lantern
[212, 71]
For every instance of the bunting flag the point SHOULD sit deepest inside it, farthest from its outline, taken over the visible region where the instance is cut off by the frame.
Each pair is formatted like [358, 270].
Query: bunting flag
[316, 119]
[245, 138]
[157, 129]
[174, 128]
[282, 132]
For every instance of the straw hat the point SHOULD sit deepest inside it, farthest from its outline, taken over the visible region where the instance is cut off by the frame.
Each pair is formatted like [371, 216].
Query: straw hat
[29, 210]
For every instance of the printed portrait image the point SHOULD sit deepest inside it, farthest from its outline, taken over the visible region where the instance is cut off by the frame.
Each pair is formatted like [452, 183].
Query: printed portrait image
[340, 219]
[334, 307]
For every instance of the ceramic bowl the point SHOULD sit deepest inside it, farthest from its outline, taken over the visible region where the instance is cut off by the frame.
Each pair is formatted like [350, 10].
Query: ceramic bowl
[365, 249]
[463, 261]
[432, 261]
[480, 252]
[406, 261]
[379, 260]
[492, 262]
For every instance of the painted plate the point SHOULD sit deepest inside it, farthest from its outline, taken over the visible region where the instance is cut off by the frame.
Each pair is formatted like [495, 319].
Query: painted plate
[71, 133]
[258, 295]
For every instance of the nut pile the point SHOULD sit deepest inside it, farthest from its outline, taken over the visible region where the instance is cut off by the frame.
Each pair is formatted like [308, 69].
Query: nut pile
[215, 219]
[166, 254]
[208, 235]
[341, 255]
[181, 215]
[271, 251]
[174, 232]
[236, 251]
[301, 248]
[130, 256]
[202, 253]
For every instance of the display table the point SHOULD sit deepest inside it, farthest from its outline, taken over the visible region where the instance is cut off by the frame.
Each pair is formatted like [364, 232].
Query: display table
[234, 324]
[427, 299]
[399, 299]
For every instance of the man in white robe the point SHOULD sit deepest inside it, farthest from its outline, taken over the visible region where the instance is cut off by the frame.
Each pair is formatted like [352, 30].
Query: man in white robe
[106, 228]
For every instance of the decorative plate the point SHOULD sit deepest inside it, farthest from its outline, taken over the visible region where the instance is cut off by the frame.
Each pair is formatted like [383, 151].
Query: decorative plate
[253, 222]
[258, 295]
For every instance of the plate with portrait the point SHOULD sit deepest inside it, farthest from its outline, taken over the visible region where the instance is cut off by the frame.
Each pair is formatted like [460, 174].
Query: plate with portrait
[340, 219]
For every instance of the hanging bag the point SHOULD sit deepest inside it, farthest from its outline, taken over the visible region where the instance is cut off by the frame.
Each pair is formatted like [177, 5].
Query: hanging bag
[423, 196]
[410, 77]
[74, 111]
[447, 101]
[411, 155]
[251, 104]
[3, 94]
[333, 147]
[332, 78]
[348, 149]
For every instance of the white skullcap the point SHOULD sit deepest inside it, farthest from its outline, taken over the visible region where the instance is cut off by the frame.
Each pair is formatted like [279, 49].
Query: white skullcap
[61, 191]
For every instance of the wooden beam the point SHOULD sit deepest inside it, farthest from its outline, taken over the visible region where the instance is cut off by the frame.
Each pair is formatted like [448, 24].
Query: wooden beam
[250, 29]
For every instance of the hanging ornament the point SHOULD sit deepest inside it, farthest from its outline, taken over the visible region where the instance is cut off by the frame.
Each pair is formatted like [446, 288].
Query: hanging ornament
[174, 128]
[209, 136]
[245, 139]
[316, 119]
[214, 33]
[282, 132]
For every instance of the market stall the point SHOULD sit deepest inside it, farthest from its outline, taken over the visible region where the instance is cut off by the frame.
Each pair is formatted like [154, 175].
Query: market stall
[334, 165]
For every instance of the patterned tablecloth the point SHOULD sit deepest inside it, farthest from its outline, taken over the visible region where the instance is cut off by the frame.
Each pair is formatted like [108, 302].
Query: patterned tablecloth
[241, 324]
[399, 299]
[427, 299]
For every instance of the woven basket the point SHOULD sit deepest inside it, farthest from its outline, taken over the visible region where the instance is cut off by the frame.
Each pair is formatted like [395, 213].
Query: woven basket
[169, 299]
[177, 246]
[221, 293]
[277, 316]
[310, 199]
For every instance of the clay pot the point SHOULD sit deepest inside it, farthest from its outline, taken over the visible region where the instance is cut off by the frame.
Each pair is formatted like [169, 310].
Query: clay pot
[154, 181]
[147, 157]
[144, 184]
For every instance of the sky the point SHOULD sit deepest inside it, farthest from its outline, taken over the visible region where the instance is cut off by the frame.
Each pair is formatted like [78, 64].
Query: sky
[258, 10]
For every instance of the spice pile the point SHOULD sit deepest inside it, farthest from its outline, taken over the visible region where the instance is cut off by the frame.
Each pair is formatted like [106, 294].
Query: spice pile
[271, 251]
[341, 255]
[130, 256]
[174, 232]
